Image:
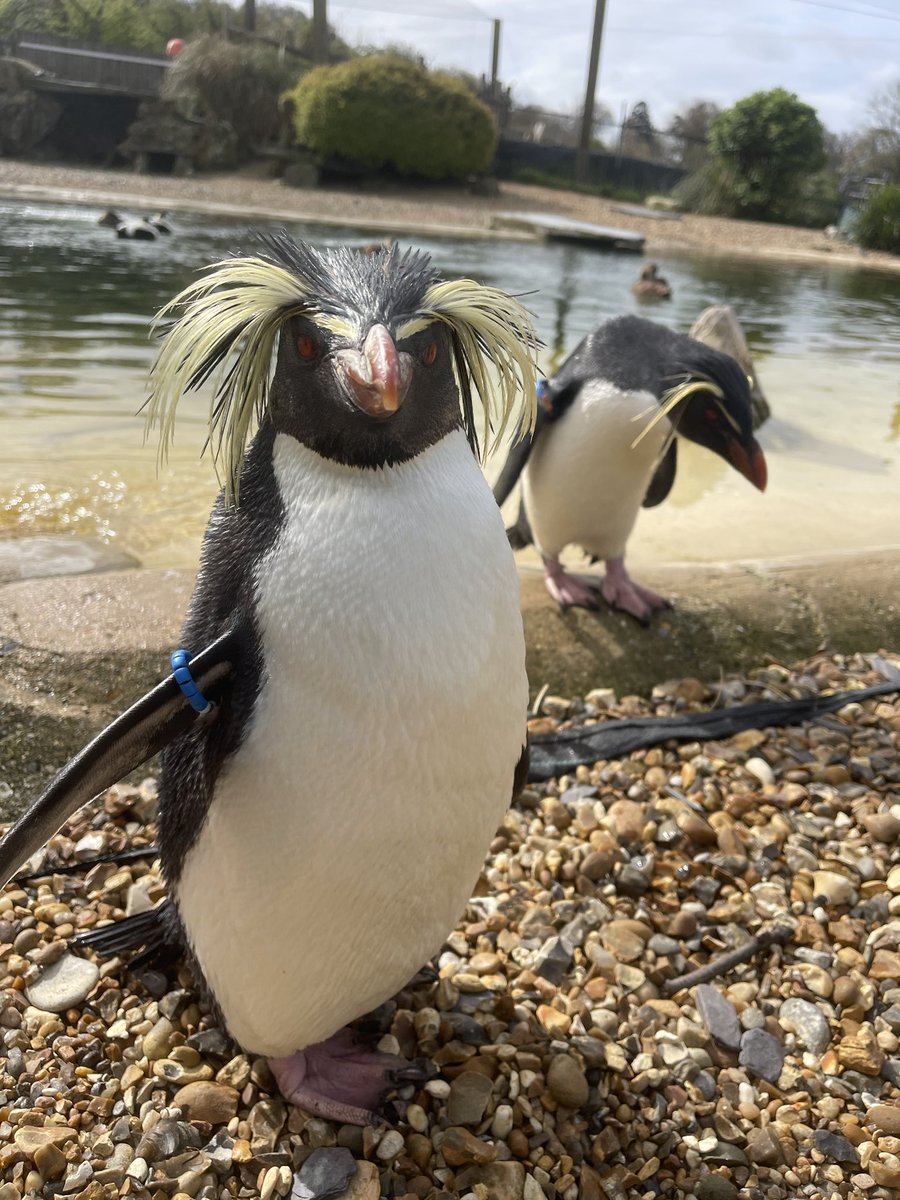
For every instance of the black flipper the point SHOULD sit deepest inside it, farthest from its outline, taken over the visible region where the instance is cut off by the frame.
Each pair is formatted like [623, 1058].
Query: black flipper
[516, 460]
[519, 534]
[154, 933]
[130, 740]
[663, 477]
[559, 753]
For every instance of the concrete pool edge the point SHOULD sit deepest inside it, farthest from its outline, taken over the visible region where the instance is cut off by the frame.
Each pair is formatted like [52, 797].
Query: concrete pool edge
[79, 649]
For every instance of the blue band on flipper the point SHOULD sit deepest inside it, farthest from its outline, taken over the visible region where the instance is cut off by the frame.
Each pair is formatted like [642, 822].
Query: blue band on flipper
[185, 680]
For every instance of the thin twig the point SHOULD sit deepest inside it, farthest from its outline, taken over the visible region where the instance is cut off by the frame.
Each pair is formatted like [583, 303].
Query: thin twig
[724, 962]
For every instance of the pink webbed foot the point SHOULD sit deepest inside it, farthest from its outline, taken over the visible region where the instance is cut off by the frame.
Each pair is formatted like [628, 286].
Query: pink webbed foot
[342, 1080]
[621, 592]
[567, 590]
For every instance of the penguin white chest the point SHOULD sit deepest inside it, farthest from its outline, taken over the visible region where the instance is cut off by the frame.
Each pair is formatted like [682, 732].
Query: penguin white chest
[586, 479]
[344, 836]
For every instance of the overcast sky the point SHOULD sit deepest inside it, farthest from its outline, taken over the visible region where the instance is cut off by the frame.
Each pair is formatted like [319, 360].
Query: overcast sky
[833, 53]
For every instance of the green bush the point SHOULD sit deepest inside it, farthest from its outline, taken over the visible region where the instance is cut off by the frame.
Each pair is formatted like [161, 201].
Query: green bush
[878, 224]
[239, 85]
[384, 111]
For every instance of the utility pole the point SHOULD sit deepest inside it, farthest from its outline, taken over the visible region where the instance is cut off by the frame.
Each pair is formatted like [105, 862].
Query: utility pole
[495, 59]
[320, 32]
[587, 116]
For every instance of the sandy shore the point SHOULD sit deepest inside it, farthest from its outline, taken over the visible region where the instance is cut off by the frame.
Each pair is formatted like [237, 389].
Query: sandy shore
[420, 209]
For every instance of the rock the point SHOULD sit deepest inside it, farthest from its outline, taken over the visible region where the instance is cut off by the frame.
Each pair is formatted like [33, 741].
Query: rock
[715, 1187]
[718, 1015]
[567, 1081]
[760, 769]
[365, 1184]
[533, 1190]
[762, 1054]
[204, 1100]
[553, 960]
[884, 1118]
[157, 1042]
[816, 979]
[461, 1148]
[663, 946]
[860, 1052]
[836, 1147]
[555, 1022]
[833, 888]
[469, 1095]
[809, 1025]
[325, 1174]
[64, 984]
[626, 820]
[764, 1148]
[885, 965]
[50, 1161]
[621, 940]
[697, 828]
[884, 827]
[503, 1180]
[30, 1138]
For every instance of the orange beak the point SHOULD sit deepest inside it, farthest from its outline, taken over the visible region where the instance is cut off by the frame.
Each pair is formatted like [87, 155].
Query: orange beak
[750, 461]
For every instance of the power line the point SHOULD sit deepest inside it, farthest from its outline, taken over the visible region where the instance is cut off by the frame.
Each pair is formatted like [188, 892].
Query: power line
[452, 10]
[879, 14]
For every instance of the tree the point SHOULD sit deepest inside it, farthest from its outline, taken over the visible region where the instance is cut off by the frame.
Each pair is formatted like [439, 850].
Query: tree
[639, 138]
[689, 130]
[767, 145]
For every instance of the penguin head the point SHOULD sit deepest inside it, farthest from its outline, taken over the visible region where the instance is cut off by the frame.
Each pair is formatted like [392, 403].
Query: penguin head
[714, 410]
[376, 357]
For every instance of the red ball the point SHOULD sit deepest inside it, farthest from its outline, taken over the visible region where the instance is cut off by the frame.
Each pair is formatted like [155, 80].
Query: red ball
[174, 47]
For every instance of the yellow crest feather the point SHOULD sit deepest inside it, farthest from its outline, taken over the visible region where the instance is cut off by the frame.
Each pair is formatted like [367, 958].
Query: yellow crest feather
[227, 326]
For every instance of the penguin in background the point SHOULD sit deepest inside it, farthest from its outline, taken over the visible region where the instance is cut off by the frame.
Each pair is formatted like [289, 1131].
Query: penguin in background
[357, 709]
[605, 444]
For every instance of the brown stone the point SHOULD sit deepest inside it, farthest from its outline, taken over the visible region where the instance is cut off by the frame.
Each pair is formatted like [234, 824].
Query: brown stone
[461, 1148]
[885, 965]
[567, 1081]
[204, 1100]
[29, 1138]
[626, 818]
[885, 1118]
[861, 1052]
[50, 1161]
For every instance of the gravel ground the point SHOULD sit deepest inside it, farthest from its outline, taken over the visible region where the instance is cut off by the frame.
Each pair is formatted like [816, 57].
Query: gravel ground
[420, 208]
[569, 1063]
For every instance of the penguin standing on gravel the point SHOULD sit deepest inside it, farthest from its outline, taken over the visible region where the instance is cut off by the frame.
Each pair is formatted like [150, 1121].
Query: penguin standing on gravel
[357, 639]
[605, 444]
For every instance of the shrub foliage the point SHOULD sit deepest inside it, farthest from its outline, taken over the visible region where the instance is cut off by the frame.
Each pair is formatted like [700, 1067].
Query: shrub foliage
[763, 148]
[878, 224]
[385, 111]
[239, 85]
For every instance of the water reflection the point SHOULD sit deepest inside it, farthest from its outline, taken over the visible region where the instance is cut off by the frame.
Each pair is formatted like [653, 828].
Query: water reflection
[75, 307]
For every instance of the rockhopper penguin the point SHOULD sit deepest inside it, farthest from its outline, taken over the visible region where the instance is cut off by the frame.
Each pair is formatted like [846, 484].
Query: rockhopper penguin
[356, 621]
[605, 444]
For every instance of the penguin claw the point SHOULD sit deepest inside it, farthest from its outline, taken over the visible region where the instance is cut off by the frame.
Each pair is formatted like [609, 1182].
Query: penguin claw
[419, 1070]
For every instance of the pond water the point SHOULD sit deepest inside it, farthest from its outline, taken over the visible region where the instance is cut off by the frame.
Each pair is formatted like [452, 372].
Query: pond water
[75, 304]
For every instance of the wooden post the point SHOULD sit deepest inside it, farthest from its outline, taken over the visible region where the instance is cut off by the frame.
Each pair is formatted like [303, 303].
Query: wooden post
[587, 116]
[250, 16]
[320, 32]
[495, 59]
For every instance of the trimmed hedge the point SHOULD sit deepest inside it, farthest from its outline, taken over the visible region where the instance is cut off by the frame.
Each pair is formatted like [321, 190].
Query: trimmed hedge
[384, 111]
[878, 225]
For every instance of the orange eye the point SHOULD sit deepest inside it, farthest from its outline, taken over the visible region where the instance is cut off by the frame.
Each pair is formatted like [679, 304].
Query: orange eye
[428, 358]
[306, 347]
